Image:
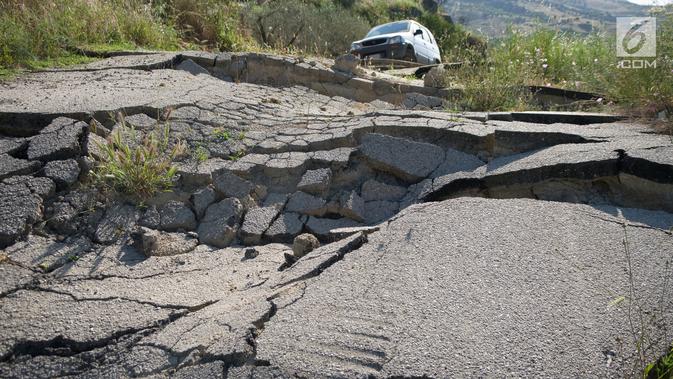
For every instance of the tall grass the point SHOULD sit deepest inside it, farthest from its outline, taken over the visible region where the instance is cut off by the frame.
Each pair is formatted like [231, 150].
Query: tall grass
[553, 58]
[648, 91]
[34, 30]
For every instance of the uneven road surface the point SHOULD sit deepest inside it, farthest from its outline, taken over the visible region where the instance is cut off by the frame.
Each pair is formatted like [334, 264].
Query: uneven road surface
[450, 246]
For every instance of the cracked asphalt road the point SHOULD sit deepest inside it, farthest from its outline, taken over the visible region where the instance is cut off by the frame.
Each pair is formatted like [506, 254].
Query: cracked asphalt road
[519, 250]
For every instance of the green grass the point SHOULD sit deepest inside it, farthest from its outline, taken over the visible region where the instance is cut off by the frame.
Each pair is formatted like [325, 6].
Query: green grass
[220, 134]
[661, 369]
[139, 170]
[201, 154]
[237, 155]
[35, 33]
[61, 61]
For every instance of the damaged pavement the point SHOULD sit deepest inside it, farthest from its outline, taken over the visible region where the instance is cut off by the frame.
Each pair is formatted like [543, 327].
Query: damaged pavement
[426, 244]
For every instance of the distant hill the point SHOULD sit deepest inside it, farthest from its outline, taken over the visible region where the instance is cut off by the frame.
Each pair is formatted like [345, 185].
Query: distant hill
[492, 17]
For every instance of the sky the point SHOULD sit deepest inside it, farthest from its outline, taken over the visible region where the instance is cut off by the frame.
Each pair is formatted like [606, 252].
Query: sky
[651, 2]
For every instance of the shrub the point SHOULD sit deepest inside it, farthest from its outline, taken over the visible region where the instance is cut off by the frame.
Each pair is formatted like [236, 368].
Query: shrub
[382, 11]
[213, 23]
[137, 169]
[455, 43]
[323, 29]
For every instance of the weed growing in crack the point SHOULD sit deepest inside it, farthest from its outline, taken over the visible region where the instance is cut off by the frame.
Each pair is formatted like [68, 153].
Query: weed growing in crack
[237, 155]
[201, 154]
[221, 135]
[137, 166]
[661, 369]
[642, 321]
[241, 136]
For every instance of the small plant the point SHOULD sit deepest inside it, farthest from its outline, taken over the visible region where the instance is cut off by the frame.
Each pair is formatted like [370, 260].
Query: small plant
[137, 169]
[271, 100]
[661, 369]
[220, 134]
[241, 136]
[237, 155]
[201, 154]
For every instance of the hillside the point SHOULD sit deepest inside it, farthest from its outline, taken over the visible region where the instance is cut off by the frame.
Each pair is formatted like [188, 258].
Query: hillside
[492, 17]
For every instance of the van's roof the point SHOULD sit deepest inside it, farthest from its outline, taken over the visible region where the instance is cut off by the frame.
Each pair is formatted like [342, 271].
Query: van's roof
[395, 22]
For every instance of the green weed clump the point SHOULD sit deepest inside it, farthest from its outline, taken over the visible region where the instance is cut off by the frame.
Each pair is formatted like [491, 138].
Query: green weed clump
[201, 154]
[139, 170]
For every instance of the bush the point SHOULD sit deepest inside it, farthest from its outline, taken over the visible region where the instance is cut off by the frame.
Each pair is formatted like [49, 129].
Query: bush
[323, 29]
[212, 23]
[137, 169]
[381, 11]
[455, 43]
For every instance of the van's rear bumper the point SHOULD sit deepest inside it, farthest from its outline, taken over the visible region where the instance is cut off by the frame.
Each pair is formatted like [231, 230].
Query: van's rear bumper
[388, 51]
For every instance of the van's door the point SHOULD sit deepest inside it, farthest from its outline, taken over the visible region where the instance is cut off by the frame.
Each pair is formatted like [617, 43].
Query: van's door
[420, 44]
[433, 49]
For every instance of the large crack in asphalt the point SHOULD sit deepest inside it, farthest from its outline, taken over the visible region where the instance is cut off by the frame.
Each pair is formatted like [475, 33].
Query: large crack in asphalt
[337, 256]
[586, 173]
[112, 298]
[65, 347]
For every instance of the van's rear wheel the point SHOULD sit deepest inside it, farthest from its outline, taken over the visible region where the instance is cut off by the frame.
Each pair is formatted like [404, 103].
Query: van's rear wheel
[410, 55]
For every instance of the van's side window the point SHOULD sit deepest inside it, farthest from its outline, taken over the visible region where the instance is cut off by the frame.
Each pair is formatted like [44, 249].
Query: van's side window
[430, 37]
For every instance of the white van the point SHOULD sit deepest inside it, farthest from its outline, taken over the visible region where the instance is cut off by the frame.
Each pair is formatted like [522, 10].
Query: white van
[406, 40]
